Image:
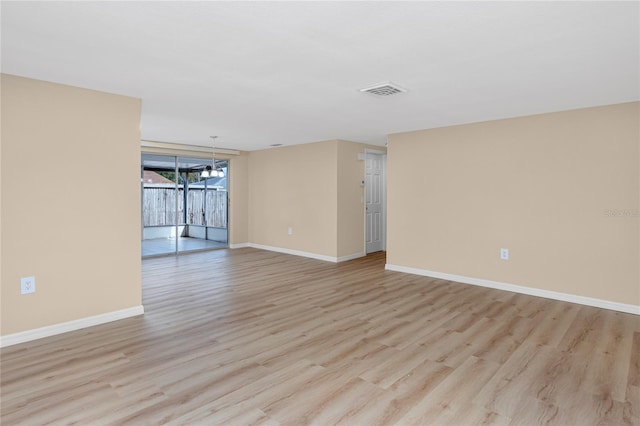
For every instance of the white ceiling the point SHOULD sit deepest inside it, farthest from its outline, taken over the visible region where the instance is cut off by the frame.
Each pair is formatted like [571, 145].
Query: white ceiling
[260, 73]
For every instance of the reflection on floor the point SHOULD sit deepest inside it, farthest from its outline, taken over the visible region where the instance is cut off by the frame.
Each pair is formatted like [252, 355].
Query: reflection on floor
[160, 246]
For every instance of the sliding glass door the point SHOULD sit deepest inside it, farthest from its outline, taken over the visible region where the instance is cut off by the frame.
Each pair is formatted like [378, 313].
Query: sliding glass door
[181, 210]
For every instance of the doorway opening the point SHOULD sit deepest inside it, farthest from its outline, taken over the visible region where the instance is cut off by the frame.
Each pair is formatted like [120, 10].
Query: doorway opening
[181, 210]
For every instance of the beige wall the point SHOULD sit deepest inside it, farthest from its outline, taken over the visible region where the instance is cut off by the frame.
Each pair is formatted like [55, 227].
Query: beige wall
[1, 208]
[313, 188]
[541, 186]
[294, 186]
[70, 203]
[239, 199]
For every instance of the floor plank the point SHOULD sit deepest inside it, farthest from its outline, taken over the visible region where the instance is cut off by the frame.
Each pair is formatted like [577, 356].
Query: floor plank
[247, 336]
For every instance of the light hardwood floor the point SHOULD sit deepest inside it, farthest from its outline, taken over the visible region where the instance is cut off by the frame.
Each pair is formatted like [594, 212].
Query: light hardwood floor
[246, 336]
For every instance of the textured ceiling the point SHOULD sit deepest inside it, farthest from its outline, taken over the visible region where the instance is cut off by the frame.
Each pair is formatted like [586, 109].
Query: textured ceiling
[262, 73]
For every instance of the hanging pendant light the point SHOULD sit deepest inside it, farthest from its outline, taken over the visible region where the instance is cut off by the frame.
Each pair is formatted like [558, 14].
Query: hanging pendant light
[212, 171]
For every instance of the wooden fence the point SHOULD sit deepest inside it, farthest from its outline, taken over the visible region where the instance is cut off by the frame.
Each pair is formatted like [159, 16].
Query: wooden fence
[159, 207]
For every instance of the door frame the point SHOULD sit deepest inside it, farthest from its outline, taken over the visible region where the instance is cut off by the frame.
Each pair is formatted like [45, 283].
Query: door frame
[383, 154]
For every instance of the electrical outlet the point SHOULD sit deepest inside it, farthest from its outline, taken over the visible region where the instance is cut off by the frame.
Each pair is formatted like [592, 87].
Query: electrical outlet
[504, 253]
[27, 285]
[289, 231]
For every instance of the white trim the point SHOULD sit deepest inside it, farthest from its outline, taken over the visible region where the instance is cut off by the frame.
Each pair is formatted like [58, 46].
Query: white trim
[350, 257]
[64, 327]
[310, 255]
[384, 201]
[374, 151]
[185, 147]
[295, 252]
[239, 245]
[548, 294]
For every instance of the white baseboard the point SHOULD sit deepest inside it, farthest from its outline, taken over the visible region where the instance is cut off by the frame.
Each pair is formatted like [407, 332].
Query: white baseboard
[299, 253]
[295, 252]
[306, 253]
[239, 245]
[64, 327]
[548, 294]
[351, 256]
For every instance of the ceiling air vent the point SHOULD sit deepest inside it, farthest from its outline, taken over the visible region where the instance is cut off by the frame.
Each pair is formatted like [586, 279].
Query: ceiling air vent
[384, 89]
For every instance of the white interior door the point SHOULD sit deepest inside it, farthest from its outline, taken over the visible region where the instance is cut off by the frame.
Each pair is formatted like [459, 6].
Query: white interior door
[375, 202]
